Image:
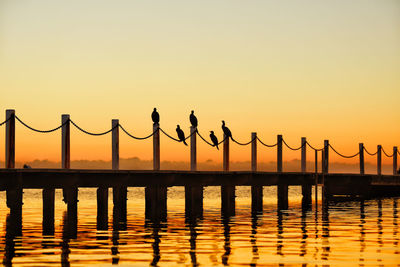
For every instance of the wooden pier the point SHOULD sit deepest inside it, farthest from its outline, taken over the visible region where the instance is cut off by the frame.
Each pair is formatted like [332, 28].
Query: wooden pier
[156, 181]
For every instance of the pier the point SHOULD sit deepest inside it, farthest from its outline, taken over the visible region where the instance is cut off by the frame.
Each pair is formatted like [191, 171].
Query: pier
[156, 181]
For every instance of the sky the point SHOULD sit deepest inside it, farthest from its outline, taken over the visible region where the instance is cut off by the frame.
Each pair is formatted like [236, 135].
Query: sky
[318, 69]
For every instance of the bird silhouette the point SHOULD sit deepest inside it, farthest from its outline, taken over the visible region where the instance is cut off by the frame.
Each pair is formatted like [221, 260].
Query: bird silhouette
[214, 139]
[226, 130]
[193, 119]
[181, 134]
[155, 116]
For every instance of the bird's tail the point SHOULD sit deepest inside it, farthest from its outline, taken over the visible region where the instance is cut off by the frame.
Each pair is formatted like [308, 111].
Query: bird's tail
[184, 141]
[217, 147]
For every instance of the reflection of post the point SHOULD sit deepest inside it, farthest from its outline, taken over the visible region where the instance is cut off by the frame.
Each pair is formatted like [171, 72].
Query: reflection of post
[192, 241]
[395, 226]
[115, 236]
[67, 234]
[304, 236]
[13, 229]
[48, 211]
[362, 231]
[193, 201]
[227, 240]
[228, 200]
[380, 229]
[279, 236]
[253, 240]
[156, 245]
[325, 233]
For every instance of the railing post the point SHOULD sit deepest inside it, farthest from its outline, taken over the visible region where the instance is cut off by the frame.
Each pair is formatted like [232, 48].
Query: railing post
[65, 142]
[256, 190]
[193, 149]
[361, 150]
[279, 153]
[254, 152]
[303, 154]
[156, 147]
[394, 160]
[10, 139]
[379, 160]
[226, 154]
[115, 144]
[326, 157]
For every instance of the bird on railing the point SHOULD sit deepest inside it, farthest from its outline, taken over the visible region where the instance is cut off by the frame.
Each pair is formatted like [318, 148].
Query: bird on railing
[181, 134]
[214, 139]
[193, 119]
[226, 130]
[155, 116]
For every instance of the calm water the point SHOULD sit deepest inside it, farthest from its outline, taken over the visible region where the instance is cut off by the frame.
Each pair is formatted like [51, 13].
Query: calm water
[349, 233]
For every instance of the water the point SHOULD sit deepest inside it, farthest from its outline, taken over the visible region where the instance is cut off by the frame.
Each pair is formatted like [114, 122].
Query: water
[347, 233]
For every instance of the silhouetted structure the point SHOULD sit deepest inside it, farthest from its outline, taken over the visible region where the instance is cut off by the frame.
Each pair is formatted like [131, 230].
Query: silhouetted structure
[226, 130]
[193, 119]
[214, 139]
[155, 116]
[181, 134]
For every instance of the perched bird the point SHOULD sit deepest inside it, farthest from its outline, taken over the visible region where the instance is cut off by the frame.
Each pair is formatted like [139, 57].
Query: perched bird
[155, 116]
[26, 166]
[214, 139]
[181, 134]
[193, 119]
[226, 130]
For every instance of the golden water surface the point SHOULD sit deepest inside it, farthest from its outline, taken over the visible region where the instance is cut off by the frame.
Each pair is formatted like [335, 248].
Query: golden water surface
[348, 233]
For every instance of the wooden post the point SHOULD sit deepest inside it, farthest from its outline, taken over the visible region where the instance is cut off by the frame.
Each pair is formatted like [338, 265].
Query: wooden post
[10, 139]
[394, 160]
[115, 144]
[282, 191]
[379, 160]
[256, 190]
[326, 157]
[102, 208]
[193, 201]
[228, 200]
[303, 154]
[279, 153]
[226, 154]
[361, 150]
[193, 149]
[48, 211]
[316, 179]
[65, 142]
[156, 147]
[306, 189]
[254, 152]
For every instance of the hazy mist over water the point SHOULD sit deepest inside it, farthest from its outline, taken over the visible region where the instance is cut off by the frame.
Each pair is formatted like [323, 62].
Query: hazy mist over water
[348, 233]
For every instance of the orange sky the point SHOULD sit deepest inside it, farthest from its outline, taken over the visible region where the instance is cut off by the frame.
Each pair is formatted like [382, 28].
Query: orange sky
[324, 71]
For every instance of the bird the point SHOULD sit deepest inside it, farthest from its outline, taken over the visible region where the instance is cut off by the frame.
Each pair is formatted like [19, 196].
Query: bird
[155, 116]
[226, 130]
[193, 119]
[214, 139]
[181, 134]
[26, 166]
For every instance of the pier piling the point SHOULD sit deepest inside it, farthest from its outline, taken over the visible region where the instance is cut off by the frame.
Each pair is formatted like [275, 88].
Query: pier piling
[48, 196]
[102, 208]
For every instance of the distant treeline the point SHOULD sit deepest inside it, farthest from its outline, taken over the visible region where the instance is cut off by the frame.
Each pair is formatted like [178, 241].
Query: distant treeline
[209, 165]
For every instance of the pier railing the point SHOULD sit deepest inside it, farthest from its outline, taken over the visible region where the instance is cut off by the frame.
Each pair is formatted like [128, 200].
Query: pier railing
[66, 122]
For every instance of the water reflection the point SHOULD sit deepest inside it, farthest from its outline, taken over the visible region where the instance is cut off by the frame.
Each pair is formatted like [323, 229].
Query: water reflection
[363, 233]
